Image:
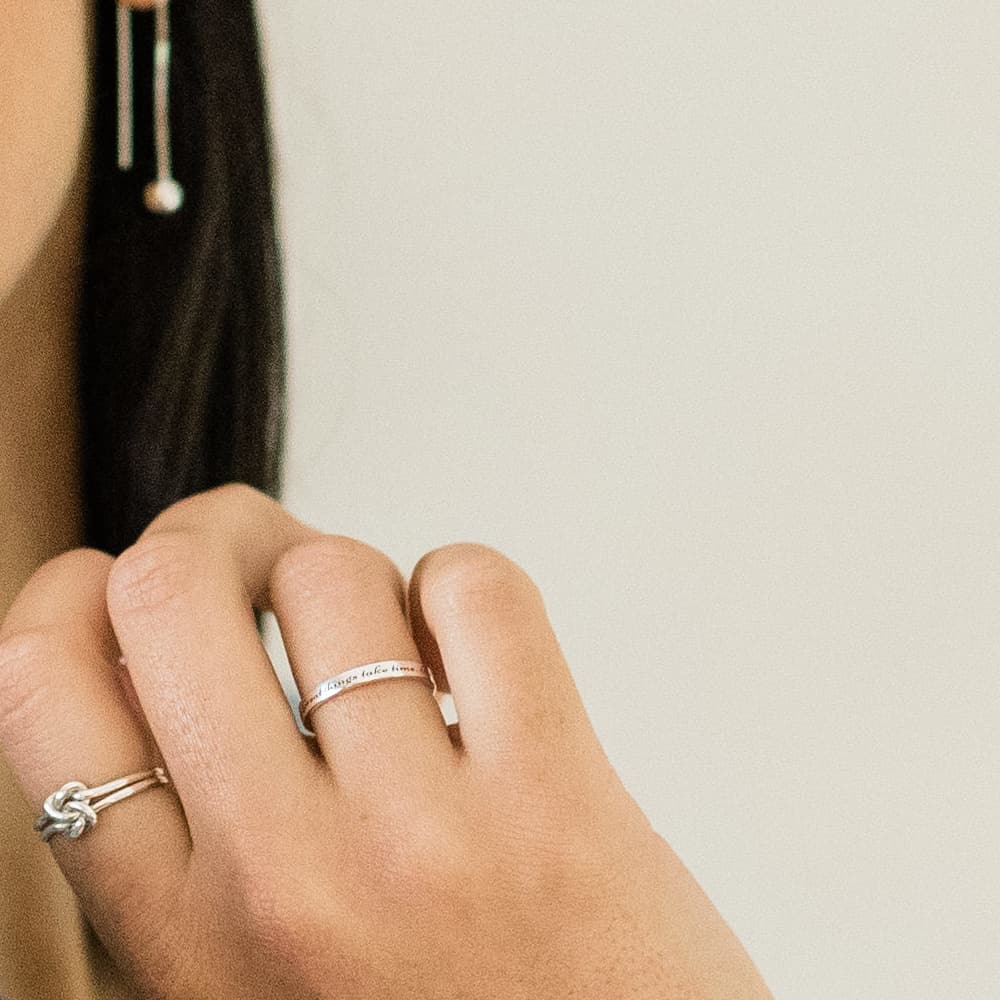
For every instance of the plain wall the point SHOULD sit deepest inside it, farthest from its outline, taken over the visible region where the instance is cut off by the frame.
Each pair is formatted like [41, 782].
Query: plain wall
[691, 309]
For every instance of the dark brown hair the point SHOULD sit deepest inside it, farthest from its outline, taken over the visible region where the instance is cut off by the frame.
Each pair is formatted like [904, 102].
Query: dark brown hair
[181, 350]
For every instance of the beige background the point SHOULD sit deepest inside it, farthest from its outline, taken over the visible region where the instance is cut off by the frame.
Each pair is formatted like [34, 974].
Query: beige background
[692, 309]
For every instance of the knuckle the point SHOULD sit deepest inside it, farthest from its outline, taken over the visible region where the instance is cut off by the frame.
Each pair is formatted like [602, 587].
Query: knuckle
[428, 848]
[451, 860]
[42, 598]
[265, 905]
[333, 561]
[555, 861]
[163, 941]
[467, 576]
[280, 913]
[165, 977]
[232, 496]
[74, 564]
[154, 572]
[168, 963]
[236, 492]
[414, 853]
[22, 654]
[230, 499]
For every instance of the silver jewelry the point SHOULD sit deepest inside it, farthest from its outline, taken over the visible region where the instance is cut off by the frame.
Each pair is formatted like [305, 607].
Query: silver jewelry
[163, 196]
[367, 673]
[125, 139]
[72, 810]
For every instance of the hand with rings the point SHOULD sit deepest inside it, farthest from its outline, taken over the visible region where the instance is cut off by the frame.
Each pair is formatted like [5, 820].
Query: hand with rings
[220, 853]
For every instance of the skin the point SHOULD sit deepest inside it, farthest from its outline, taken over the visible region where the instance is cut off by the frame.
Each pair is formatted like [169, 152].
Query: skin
[44, 77]
[391, 856]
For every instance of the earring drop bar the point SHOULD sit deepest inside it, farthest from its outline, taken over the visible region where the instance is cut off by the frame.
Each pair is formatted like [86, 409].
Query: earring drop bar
[164, 196]
[124, 87]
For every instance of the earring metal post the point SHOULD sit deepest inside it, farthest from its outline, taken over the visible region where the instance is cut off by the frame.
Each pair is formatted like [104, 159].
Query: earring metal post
[125, 126]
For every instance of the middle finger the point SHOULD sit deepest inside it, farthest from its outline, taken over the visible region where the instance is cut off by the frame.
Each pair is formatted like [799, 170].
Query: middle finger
[181, 602]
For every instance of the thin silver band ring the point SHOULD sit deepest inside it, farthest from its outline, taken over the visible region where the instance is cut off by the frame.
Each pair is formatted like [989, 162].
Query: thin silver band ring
[367, 673]
[72, 810]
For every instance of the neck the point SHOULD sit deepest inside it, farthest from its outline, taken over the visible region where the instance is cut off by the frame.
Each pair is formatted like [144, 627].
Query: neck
[40, 510]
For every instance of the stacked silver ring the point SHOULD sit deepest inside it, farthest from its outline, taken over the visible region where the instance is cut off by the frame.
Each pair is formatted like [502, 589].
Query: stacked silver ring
[72, 810]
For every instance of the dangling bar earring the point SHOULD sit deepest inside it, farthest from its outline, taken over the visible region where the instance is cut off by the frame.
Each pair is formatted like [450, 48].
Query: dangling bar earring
[164, 196]
[124, 87]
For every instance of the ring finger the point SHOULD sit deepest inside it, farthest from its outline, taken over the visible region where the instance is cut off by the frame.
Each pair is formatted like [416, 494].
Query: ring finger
[340, 604]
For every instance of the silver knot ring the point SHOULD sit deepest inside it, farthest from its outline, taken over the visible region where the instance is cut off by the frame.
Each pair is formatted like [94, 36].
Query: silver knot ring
[72, 810]
[367, 673]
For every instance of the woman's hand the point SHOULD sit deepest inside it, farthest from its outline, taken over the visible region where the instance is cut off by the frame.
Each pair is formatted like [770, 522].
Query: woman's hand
[392, 858]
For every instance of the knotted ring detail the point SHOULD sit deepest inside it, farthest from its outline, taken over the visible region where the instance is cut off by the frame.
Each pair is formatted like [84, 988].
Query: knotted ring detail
[72, 810]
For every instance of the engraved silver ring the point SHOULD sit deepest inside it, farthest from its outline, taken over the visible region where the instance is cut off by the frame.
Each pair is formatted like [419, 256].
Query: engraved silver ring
[367, 673]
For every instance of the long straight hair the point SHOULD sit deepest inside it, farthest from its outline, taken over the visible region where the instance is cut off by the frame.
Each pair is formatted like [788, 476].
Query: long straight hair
[181, 333]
